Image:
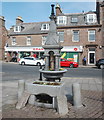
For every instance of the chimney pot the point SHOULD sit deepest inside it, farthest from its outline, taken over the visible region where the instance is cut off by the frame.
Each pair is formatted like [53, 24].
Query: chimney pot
[58, 9]
[2, 21]
[19, 20]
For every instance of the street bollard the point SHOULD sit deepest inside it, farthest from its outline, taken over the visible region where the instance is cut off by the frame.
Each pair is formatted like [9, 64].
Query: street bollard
[32, 100]
[40, 73]
[76, 95]
[21, 88]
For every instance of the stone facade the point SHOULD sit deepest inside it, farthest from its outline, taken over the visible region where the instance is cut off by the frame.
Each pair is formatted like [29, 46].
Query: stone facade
[102, 7]
[3, 37]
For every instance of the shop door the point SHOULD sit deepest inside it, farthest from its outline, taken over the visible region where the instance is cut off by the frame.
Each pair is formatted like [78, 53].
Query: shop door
[91, 58]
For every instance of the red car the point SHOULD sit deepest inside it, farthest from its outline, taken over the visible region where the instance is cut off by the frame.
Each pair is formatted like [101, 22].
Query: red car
[67, 63]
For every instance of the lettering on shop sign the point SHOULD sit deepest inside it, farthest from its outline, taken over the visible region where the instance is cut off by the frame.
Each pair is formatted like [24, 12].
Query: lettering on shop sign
[37, 49]
[75, 49]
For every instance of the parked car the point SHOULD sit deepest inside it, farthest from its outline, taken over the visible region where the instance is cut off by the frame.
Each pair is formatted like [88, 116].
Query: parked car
[100, 63]
[31, 61]
[67, 63]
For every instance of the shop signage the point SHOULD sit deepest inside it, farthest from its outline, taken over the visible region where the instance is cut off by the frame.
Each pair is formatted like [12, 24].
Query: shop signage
[72, 49]
[75, 49]
[38, 49]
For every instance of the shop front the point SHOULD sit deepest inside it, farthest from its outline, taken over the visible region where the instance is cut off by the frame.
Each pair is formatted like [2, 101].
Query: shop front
[21, 52]
[68, 52]
[71, 53]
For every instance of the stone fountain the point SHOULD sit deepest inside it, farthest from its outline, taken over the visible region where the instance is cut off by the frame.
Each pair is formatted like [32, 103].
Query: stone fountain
[52, 55]
[32, 92]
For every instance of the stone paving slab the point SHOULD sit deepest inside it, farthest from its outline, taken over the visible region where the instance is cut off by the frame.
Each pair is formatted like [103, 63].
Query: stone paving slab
[92, 90]
[10, 88]
[92, 108]
[86, 83]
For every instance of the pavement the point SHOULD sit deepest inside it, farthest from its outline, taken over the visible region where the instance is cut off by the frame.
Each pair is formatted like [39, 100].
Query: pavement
[91, 91]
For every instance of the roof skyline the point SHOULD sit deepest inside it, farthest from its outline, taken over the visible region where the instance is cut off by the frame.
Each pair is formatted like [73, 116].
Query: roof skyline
[40, 12]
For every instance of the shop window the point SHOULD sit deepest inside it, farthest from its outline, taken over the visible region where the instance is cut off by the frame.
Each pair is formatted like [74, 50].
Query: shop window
[45, 27]
[13, 40]
[61, 20]
[29, 40]
[75, 36]
[44, 39]
[91, 35]
[61, 36]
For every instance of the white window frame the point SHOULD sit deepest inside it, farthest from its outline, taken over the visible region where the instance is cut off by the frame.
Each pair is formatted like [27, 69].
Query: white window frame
[74, 19]
[13, 40]
[89, 35]
[73, 36]
[17, 29]
[94, 18]
[28, 40]
[59, 36]
[46, 25]
[44, 39]
[61, 20]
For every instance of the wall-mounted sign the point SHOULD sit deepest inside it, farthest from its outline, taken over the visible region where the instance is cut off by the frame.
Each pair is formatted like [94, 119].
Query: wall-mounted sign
[41, 49]
[72, 48]
[38, 49]
[75, 49]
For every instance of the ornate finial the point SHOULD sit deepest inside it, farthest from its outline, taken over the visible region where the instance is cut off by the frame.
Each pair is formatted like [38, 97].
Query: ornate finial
[52, 12]
[52, 16]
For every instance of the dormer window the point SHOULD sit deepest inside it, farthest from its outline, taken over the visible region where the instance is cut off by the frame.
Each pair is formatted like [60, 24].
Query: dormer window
[61, 20]
[91, 18]
[17, 28]
[74, 19]
[45, 27]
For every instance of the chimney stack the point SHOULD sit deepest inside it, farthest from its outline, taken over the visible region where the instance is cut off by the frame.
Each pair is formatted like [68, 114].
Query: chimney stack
[58, 9]
[2, 21]
[19, 20]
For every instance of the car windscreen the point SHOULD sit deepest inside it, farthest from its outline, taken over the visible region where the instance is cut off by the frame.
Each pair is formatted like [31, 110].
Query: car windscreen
[29, 58]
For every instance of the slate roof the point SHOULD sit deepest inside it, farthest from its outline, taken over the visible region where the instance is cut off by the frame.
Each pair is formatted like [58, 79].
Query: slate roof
[81, 18]
[35, 27]
[29, 28]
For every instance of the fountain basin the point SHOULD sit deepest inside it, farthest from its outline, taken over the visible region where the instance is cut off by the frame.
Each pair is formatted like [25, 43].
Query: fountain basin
[52, 75]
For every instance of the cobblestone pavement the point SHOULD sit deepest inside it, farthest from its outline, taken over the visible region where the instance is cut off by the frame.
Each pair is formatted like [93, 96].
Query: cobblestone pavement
[91, 97]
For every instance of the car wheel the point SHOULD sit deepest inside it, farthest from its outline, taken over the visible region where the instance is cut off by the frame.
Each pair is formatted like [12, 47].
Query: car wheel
[71, 66]
[38, 64]
[101, 66]
[22, 63]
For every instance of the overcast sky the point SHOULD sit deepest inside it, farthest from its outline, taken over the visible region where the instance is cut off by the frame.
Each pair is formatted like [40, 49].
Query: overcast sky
[39, 11]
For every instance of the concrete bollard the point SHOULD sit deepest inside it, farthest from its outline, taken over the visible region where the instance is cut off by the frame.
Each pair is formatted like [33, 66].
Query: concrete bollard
[76, 92]
[21, 88]
[54, 104]
[32, 99]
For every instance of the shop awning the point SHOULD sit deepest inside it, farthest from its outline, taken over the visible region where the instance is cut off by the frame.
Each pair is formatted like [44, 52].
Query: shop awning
[41, 49]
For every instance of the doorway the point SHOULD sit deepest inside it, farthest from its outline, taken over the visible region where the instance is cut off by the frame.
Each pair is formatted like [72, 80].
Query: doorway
[91, 57]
